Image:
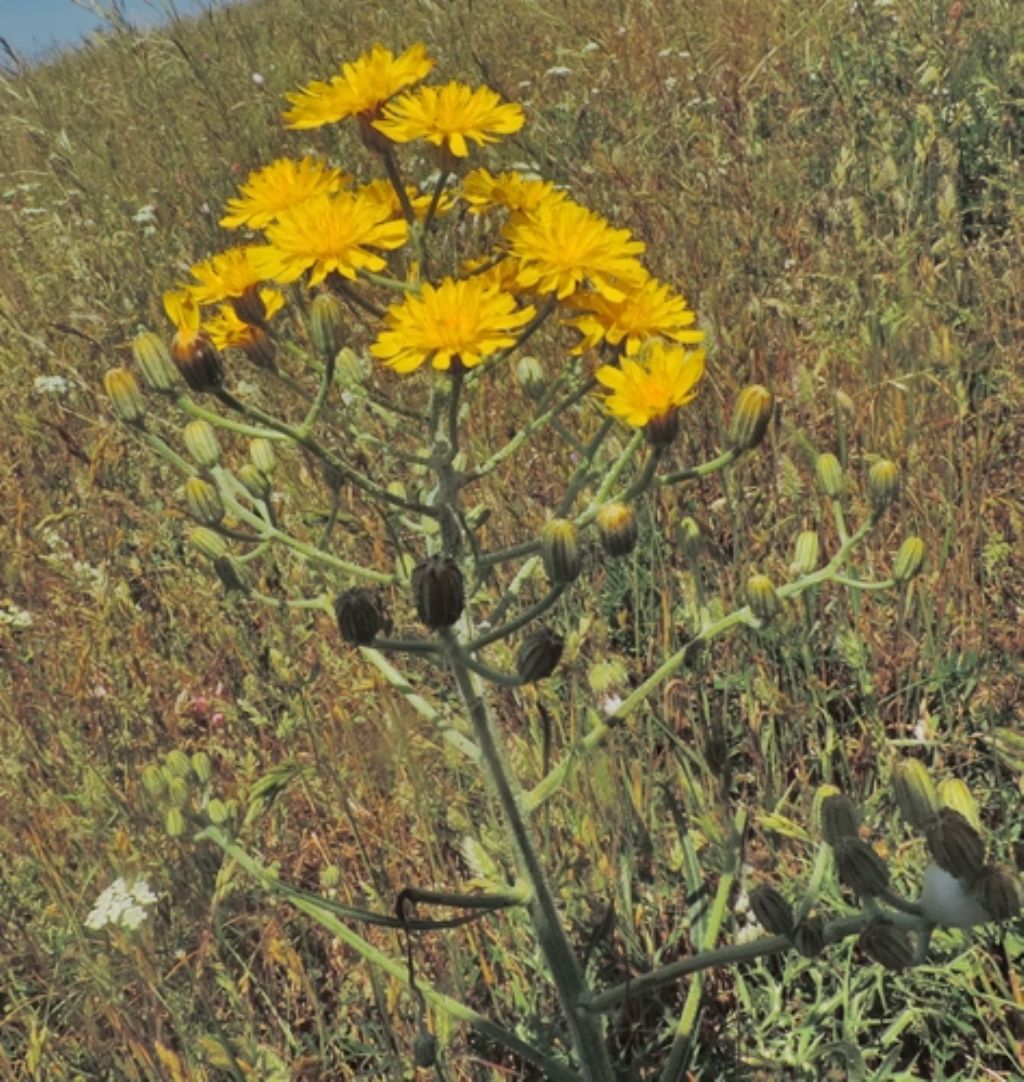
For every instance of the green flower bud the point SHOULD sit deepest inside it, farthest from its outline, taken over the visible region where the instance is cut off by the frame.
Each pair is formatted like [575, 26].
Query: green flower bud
[839, 819]
[330, 876]
[174, 822]
[809, 935]
[202, 767]
[530, 376]
[772, 910]
[915, 792]
[539, 655]
[909, 559]
[616, 524]
[750, 418]
[230, 574]
[254, 480]
[821, 794]
[153, 781]
[805, 553]
[883, 483]
[210, 544]
[261, 451]
[560, 552]
[438, 591]
[126, 401]
[178, 763]
[201, 443]
[177, 791]
[955, 845]
[327, 325]
[953, 793]
[359, 616]
[203, 502]
[830, 475]
[217, 812]
[883, 942]
[154, 361]
[860, 867]
[350, 369]
[690, 540]
[995, 888]
[763, 600]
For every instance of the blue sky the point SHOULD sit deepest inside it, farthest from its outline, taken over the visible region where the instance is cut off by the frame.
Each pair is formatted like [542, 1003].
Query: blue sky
[33, 26]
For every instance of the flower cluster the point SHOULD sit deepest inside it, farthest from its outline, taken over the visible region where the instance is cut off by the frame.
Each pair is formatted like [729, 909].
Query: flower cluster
[123, 904]
[548, 257]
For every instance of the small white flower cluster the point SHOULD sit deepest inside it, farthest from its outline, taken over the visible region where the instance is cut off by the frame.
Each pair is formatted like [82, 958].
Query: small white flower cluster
[14, 617]
[123, 904]
[55, 385]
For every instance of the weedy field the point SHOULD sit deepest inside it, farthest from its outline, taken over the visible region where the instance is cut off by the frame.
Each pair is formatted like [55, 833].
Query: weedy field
[838, 191]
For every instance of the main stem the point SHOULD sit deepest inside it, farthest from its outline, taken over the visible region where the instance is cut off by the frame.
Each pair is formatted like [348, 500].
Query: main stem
[587, 1036]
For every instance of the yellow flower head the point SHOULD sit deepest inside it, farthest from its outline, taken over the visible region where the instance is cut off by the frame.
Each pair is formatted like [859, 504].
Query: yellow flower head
[648, 311]
[183, 311]
[561, 246]
[278, 186]
[449, 115]
[360, 90]
[482, 190]
[325, 234]
[462, 320]
[227, 274]
[664, 377]
[383, 192]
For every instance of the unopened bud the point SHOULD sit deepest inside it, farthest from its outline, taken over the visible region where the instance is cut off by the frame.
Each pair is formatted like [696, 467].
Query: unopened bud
[327, 325]
[883, 483]
[154, 781]
[254, 480]
[909, 559]
[690, 540]
[261, 451]
[350, 369]
[359, 616]
[955, 845]
[953, 793]
[438, 591]
[560, 551]
[217, 812]
[860, 867]
[995, 888]
[230, 574]
[915, 793]
[178, 763]
[126, 401]
[174, 822]
[203, 502]
[883, 942]
[530, 376]
[154, 361]
[201, 443]
[772, 910]
[809, 935]
[830, 475]
[202, 767]
[839, 818]
[424, 1049]
[805, 553]
[539, 655]
[209, 543]
[761, 597]
[616, 524]
[177, 790]
[750, 418]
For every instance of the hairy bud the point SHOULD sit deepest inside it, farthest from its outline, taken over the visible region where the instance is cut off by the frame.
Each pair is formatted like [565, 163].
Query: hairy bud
[750, 418]
[560, 551]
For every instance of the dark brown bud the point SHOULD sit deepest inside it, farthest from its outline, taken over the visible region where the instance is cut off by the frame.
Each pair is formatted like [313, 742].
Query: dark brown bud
[616, 524]
[359, 616]
[560, 551]
[860, 867]
[955, 845]
[200, 365]
[773, 912]
[883, 942]
[539, 655]
[995, 888]
[809, 935]
[249, 307]
[839, 819]
[438, 591]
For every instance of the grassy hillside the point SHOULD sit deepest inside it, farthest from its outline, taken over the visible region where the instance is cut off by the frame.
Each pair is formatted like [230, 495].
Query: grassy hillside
[838, 189]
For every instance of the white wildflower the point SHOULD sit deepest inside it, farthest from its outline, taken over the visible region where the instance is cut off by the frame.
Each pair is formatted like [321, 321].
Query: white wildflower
[51, 385]
[145, 215]
[258, 79]
[13, 616]
[123, 904]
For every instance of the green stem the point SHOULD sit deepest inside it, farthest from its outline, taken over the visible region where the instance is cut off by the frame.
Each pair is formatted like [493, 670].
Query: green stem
[691, 473]
[525, 617]
[186, 405]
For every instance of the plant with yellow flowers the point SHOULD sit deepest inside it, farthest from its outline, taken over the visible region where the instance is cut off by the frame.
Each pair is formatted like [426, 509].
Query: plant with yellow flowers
[403, 299]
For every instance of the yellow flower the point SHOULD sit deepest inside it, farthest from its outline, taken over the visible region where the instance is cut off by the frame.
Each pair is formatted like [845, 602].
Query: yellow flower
[183, 311]
[278, 186]
[648, 311]
[383, 191]
[360, 90]
[462, 320]
[226, 329]
[449, 115]
[562, 246]
[328, 233]
[648, 389]
[227, 274]
[483, 190]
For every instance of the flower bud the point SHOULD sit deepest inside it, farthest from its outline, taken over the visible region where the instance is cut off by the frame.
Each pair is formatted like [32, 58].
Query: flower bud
[830, 475]
[995, 888]
[955, 845]
[254, 481]
[915, 792]
[174, 822]
[178, 764]
[530, 376]
[350, 369]
[860, 867]
[616, 524]
[154, 361]
[202, 768]
[953, 793]
[201, 443]
[230, 574]
[883, 483]
[126, 402]
[250, 307]
[690, 540]
[761, 597]
[359, 616]
[809, 935]
[154, 781]
[660, 431]
[560, 552]
[261, 451]
[909, 559]
[539, 655]
[199, 363]
[209, 543]
[217, 812]
[203, 502]
[177, 790]
[883, 942]
[839, 818]
[424, 1049]
[327, 325]
[750, 417]
[772, 910]
[438, 591]
[805, 553]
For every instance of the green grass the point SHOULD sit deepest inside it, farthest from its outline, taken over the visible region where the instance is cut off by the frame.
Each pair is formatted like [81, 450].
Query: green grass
[838, 190]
